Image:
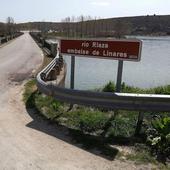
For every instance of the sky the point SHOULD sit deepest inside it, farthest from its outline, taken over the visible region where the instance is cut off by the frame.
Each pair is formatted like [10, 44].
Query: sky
[56, 10]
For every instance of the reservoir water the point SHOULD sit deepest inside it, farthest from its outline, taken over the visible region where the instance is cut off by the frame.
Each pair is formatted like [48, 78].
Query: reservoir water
[153, 69]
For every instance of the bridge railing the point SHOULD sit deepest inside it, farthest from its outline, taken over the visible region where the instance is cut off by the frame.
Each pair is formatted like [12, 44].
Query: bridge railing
[50, 48]
[107, 100]
[116, 101]
[6, 38]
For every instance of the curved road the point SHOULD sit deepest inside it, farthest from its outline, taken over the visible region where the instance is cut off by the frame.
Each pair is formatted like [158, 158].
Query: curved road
[26, 141]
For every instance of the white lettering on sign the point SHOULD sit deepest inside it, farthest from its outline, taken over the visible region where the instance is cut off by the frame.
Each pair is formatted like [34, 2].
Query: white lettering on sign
[85, 44]
[107, 53]
[78, 51]
[99, 45]
[96, 53]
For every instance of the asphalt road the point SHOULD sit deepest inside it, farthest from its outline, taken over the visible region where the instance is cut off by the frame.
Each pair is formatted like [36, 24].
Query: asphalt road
[18, 59]
[27, 142]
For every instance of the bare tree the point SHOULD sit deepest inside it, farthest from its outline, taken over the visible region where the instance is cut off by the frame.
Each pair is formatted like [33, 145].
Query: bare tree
[81, 20]
[10, 26]
[66, 26]
[121, 29]
[89, 26]
[2, 29]
[43, 28]
[73, 26]
[10, 20]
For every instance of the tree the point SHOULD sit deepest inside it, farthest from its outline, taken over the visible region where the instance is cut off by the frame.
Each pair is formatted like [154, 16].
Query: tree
[43, 28]
[121, 29]
[66, 26]
[10, 28]
[73, 26]
[10, 20]
[81, 20]
[2, 29]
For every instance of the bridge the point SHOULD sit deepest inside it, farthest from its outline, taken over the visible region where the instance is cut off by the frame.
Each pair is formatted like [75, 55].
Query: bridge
[27, 141]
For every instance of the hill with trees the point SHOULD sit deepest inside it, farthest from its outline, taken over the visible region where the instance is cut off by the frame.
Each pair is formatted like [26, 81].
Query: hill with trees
[86, 26]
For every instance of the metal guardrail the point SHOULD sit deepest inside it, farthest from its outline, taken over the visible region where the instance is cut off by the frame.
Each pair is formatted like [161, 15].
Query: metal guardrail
[9, 37]
[50, 48]
[117, 101]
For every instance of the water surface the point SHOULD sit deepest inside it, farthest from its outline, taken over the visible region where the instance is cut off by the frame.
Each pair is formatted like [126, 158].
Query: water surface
[153, 69]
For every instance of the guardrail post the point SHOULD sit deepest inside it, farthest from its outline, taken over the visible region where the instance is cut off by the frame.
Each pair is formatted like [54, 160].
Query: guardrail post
[53, 49]
[119, 76]
[139, 123]
[53, 74]
[43, 42]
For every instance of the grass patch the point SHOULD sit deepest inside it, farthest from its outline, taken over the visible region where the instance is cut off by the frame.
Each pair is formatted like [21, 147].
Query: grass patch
[30, 87]
[141, 155]
[86, 120]
[47, 105]
[123, 126]
[87, 123]
[111, 87]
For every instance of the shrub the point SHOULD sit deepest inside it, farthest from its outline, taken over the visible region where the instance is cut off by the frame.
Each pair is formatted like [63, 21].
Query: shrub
[47, 105]
[90, 122]
[29, 89]
[162, 90]
[109, 87]
[158, 137]
[86, 120]
[122, 127]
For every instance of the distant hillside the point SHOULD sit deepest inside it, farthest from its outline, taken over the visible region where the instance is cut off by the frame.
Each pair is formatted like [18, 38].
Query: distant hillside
[148, 24]
[140, 25]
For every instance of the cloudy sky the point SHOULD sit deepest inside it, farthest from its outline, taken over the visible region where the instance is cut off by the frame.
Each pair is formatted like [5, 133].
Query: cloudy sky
[55, 10]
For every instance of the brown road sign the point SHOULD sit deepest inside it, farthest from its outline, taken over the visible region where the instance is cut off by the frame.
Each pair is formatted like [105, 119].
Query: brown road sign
[109, 49]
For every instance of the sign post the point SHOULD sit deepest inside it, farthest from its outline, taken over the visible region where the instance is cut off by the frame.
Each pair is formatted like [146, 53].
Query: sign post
[72, 72]
[119, 76]
[122, 50]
